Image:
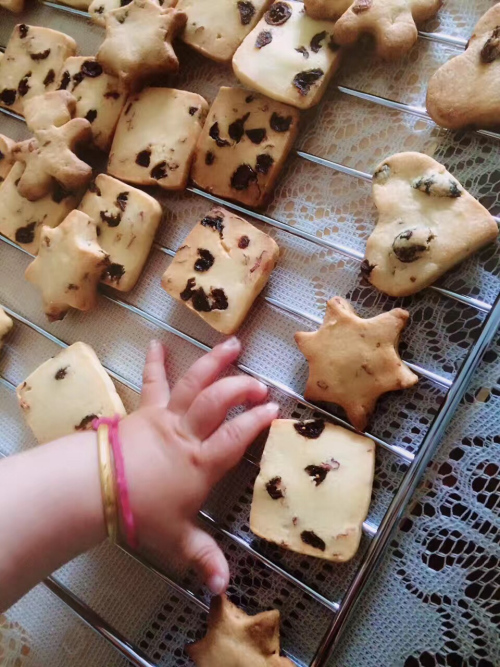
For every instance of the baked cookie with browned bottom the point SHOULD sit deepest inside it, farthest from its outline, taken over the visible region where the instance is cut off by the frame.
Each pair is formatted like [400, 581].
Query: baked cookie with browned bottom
[6, 325]
[326, 10]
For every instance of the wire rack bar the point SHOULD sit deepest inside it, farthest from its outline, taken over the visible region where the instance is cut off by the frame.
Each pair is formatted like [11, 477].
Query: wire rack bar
[410, 481]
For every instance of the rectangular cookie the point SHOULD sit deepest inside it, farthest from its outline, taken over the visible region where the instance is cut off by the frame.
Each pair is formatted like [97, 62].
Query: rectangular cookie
[6, 159]
[288, 56]
[127, 220]
[6, 325]
[314, 488]
[66, 393]
[99, 96]
[21, 220]
[243, 146]
[217, 29]
[222, 266]
[156, 136]
[32, 60]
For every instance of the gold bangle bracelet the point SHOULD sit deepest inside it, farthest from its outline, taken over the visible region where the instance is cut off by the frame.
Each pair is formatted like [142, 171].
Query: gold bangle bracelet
[108, 485]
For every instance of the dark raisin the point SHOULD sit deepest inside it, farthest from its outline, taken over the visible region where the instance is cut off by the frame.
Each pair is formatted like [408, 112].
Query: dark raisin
[71, 287]
[65, 80]
[303, 50]
[200, 301]
[124, 3]
[316, 41]
[91, 115]
[91, 68]
[242, 177]
[237, 128]
[256, 136]
[332, 44]
[318, 473]
[279, 13]
[40, 56]
[366, 268]
[111, 220]
[143, 158]
[244, 242]
[214, 133]
[8, 96]
[26, 234]
[249, 99]
[61, 373]
[93, 188]
[214, 222]
[59, 192]
[112, 94]
[304, 80]
[192, 110]
[50, 78]
[264, 163]
[188, 291]
[310, 537]
[310, 429]
[159, 171]
[23, 30]
[219, 299]
[246, 10]
[24, 86]
[86, 423]
[114, 272]
[264, 38]
[491, 50]
[411, 244]
[272, 487]
[99, 10]
[122, 200]
[258, 262]
[360, 6]
[77, 79]
[127, 108]
[2, 156]
[209, 158]
[382, 174]
[280, 123]
[205, 260]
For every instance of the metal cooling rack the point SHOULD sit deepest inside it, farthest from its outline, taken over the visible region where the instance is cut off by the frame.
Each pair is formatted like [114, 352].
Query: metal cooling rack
[416, 463]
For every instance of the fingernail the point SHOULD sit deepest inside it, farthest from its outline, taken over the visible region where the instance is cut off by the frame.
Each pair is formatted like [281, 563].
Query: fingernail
[154, 344]
[273, 407]
[216, 584]
[231, 343]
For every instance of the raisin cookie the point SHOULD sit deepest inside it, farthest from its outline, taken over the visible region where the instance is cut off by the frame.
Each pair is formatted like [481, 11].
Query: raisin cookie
[69, 266]
[288, 56]
[66, 393]
[427, 224]
[6, 325]
[243, 146]
[156, 136]
[54, 108]
[6, 157]
[234, 638]
[314, 488]
[99, 97]
[127, 220]
[217, 29]
[32, 60]
[326, 10]
[138, 44]
[353, 361]
[392, 23]
[466, 90]
[222, 266]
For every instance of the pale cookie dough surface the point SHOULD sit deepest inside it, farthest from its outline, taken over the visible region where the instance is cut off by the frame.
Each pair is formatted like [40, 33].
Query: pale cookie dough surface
[99, 96]
[235, 639]
[126, 220]
[353, 361]
[21, 220]
[393, 24]
[138, 44]
[156, 136]
[314, 488]
[66, 393]
[99, 9]
[6, 157]
[32, 60]
[53, 108]
[220, 269]
[327, 10]
[466, 90]
[217, 29]
[69, 266]
[427, 224]
[288, 56]
[6, 325]
[243, 145]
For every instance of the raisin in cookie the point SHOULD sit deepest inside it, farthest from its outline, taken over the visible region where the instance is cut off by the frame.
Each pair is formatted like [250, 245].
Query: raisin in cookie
[391, 22]
[127, 220]
[99, 96]
[288, 56]
[236, 639]
[326, 10]
[222, 266]
[66, 393]
[138, 44]
[243, 146]
[217, 29]
[353, 361]
[69, 266]
[54, 108]
[32, 60]
[6, 325]
[6, 157]
[156, 136]
[314, 488]
[427, 224]
[466, 90]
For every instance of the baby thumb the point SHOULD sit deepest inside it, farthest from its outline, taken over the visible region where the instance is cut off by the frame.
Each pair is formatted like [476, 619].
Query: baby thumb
[205, 555]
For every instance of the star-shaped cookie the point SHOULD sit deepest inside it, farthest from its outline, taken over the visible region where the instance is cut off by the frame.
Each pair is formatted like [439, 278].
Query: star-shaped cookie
[69, 266]
[353, 361]
[50, 156]
[233, 638]
[391, 22]
[138, 44]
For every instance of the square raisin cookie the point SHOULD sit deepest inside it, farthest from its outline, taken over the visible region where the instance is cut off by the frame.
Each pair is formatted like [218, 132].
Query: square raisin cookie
[156, 136]
[243, 146]
[221, 268]
[127, 220]
[288, 56]
[31, 63]
[217, 29]
[314, 488]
